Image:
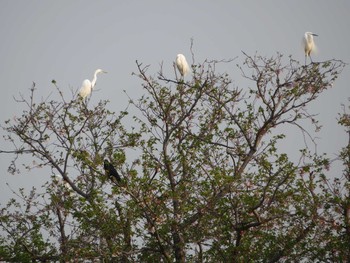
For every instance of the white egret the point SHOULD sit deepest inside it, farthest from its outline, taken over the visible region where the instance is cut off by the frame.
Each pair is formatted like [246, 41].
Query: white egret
[309, 44]
[59, 182]
[88, 86]
[182, 65]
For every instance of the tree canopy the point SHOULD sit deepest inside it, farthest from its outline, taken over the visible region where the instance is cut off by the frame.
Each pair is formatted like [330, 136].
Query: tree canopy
[203, 176]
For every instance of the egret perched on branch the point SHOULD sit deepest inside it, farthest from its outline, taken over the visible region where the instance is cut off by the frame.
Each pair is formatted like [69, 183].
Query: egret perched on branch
[59, 181]
[110, 170]
[182, 65]
[309, 44]
[88, 86]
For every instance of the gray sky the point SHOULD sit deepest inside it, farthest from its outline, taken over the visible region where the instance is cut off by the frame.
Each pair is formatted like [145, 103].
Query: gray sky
[68, 40]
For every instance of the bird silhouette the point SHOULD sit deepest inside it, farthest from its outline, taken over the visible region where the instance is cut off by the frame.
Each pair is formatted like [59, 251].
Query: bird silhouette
[111, 171]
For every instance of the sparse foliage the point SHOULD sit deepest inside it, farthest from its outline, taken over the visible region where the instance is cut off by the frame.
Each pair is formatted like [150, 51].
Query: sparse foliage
[203, 177]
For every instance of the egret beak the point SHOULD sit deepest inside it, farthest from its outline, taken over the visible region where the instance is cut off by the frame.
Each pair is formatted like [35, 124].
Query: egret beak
[315, 35]
[104, 71]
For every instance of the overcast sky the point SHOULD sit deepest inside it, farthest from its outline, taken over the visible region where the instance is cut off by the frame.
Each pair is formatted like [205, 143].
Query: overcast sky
[68, 40]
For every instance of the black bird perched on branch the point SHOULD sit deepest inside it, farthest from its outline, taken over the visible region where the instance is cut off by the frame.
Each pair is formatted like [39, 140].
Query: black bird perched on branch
[110, 170]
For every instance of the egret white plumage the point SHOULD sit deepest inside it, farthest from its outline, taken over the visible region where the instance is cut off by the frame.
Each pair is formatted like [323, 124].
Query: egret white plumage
[88, 86]
[182, 65]
[59, 181]
[309, 44]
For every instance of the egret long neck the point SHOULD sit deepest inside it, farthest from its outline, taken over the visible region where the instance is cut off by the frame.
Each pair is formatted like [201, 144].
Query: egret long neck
[93, 82]
[309, 38]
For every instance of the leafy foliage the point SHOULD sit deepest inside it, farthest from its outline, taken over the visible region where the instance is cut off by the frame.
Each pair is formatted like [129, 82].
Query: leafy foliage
[204, 182]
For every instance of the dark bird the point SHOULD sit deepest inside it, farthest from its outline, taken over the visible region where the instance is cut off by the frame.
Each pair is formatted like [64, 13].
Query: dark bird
[110, 170]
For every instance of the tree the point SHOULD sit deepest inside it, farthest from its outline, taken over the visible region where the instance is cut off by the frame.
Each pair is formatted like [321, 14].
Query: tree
[334, 229]
[205, 182]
